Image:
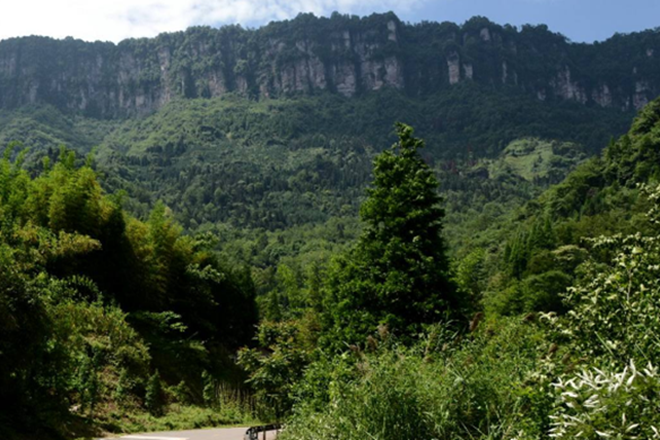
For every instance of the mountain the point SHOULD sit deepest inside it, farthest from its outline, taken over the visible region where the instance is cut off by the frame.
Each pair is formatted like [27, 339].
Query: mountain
[217, 173]
[265, 137]
[347, 55]
[279, 163]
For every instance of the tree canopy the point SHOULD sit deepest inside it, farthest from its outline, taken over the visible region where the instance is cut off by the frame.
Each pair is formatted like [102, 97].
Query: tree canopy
[397, 275]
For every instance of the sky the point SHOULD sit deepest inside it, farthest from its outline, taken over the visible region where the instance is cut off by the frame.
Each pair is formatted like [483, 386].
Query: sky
[114, 20]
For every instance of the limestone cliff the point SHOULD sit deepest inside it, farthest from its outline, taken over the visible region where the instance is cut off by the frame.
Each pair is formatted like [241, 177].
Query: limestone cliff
[345, 55]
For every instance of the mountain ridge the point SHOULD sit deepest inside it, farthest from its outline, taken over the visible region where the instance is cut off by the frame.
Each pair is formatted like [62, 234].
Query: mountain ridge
[347, 55]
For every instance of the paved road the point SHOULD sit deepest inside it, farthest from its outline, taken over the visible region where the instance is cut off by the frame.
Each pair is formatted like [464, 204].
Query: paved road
[198, 434]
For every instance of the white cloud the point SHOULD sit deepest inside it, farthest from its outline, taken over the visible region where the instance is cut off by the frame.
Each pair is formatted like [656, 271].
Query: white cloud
[115, 20]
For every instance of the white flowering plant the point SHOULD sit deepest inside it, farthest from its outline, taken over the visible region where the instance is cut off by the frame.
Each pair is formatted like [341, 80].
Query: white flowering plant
[613, 323]
[614, 311]
[603, 404]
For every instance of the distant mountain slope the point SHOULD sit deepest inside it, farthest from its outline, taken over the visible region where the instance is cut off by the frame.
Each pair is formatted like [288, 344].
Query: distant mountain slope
[346, 55]
[285, 162]
[547, 240]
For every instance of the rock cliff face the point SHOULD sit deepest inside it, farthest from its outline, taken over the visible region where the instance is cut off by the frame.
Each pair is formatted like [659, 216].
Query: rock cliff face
[345, 55]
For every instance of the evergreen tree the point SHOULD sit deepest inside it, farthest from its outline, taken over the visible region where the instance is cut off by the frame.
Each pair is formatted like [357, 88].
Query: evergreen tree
[154, 399]
[397, 275]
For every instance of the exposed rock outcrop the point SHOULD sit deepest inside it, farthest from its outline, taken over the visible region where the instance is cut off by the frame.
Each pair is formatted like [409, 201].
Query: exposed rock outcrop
[566, 88]
[641, 96]
[468, 71]
[602, 96]
[454, 68]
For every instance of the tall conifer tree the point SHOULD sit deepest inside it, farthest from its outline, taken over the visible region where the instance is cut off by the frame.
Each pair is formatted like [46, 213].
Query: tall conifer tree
[397, 275]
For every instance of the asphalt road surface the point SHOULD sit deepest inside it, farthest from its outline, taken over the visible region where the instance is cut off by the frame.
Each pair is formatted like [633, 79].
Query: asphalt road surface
[198, 434]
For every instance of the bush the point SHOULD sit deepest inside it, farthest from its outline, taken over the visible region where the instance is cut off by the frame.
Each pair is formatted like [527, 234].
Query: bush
[155, 399]
[597, 404]
[483, 387]
[613, 322]
[615, 307]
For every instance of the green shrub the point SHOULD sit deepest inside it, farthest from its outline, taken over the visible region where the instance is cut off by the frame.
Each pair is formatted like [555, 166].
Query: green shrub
[484, 387]
[155, 399]
[596, 404]
[615, 307]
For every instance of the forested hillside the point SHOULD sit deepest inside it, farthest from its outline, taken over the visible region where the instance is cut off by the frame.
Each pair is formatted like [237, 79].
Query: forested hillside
[280, 181]
[241, 162]
[260, 139]
[551, 334]
[107, 319]
[98, 307]
[601, 197]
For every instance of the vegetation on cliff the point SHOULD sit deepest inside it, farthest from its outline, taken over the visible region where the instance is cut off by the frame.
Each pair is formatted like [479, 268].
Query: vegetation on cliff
[344, 55]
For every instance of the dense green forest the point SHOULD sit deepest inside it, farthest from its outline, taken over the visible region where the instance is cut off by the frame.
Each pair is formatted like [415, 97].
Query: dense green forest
[279, 182]
[552, 333]
[299, 256]
[100, 310]
[545, 326]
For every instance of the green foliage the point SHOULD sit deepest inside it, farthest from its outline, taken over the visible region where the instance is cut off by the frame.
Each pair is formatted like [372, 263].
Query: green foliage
[92, 299]
[275, 368]
[540, 292]
[470, 275]
[599, 404]
[613, 306]
[483, 387]
[43, 128]
[283, 163]
[397, 275]
[570, 374]
[600, 197]
[613, 310]
[178, 418]
[72, 264]
[516, 378]
[154, 398]
[82, 346]
[612, 324]
[299, 165]
[536, 160]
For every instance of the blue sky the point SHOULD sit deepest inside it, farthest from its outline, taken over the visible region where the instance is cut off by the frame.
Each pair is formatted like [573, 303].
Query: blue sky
[114, 20]
[580, 20]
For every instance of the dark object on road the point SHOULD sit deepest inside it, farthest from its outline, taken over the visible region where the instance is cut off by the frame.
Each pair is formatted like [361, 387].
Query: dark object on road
[253, 433]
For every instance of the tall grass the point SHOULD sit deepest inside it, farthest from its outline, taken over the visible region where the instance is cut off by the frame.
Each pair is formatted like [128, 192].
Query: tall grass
[480, 388]
[234, 401]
